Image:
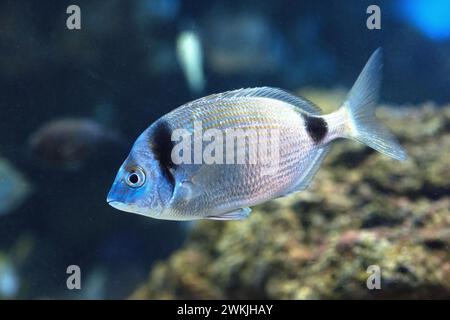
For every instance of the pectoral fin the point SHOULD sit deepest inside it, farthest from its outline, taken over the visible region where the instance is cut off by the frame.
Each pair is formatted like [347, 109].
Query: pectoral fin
[238, 214]
[185, 191]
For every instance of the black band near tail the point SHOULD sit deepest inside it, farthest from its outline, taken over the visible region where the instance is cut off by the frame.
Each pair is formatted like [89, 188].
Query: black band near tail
[316, 127]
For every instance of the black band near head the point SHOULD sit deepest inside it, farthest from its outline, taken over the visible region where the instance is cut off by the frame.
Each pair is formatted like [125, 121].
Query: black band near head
[162, 145]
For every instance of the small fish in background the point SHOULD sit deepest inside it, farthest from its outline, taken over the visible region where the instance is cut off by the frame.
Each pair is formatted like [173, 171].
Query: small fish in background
[190, 57]
[69, 143]
[9, 280]
[14, 187]
[11, 262]
[242, 44]
[151, 184]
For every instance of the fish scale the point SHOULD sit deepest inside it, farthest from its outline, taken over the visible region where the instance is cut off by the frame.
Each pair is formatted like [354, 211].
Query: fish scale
[252, 186]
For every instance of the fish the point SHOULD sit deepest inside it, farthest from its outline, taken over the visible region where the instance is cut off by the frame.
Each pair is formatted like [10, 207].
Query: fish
[190, 57]
[154, 183]
[13, 260]
[14, 187]
[242, 44]
[68, 143]
[9, 279]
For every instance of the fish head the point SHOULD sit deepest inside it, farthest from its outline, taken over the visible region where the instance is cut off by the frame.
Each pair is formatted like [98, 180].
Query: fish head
[140, 187]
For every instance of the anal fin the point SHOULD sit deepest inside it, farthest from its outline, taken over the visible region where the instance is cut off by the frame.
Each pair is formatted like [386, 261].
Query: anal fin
[238, 214]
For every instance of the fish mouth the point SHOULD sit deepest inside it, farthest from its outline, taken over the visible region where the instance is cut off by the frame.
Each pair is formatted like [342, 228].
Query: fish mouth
[125, 207]
[114, 203]
[112, 199]
[109, 200]
[119, 205]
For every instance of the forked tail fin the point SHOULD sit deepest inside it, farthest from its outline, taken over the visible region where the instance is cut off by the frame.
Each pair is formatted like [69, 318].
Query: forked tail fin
[360, 104]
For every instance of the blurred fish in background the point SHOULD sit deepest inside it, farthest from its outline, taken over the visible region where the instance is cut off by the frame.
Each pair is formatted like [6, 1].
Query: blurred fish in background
[9, 280]
[14, 187]
[69, 142]
[190, 57]
[11, 262]
[242, 44]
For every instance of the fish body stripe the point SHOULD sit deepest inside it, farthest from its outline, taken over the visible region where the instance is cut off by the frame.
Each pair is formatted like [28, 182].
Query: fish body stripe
[161, 144]
[316, 127]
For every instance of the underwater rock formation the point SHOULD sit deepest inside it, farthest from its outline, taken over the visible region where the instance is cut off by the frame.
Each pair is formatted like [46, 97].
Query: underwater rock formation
[362, 209]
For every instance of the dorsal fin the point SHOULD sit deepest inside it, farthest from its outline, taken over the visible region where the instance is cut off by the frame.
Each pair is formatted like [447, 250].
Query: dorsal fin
[271, 93]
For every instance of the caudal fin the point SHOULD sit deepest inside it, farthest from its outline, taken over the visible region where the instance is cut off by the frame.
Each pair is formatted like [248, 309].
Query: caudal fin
[360, 109]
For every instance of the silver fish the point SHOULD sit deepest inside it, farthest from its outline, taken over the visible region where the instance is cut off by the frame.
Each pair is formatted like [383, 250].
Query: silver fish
[69, 143]
[190, 57]
[150, 183]
[14, 187]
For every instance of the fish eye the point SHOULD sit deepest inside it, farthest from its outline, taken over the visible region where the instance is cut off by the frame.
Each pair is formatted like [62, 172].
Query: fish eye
[135, 178]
